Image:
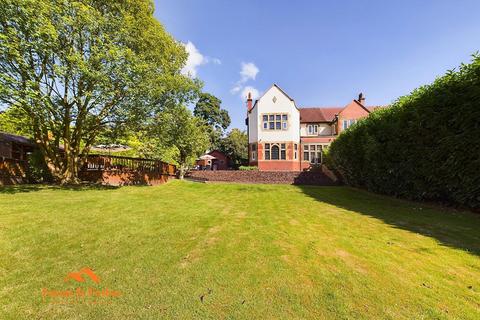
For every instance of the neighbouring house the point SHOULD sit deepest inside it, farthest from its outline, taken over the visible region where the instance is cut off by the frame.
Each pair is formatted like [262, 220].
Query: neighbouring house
[213, 160]
[14, 151]
[283, 137]
[110, 148]
[15, 147]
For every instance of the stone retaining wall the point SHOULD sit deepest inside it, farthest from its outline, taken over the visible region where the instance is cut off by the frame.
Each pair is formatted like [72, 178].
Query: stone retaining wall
[274, 177]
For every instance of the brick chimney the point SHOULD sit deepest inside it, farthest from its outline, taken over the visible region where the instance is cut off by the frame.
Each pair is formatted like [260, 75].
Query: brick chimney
[249, 102]
[361, 99]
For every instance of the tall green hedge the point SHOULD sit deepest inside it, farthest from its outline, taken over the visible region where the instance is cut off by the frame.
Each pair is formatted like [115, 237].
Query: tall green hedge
[425, 146]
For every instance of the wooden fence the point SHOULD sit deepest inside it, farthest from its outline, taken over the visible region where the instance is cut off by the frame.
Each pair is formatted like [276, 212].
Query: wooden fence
[105, 169]
[107, 162]
[117, 170]
[13, 171]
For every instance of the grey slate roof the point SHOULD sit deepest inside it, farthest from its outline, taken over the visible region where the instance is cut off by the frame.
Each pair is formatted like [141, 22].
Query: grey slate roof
[8, 137]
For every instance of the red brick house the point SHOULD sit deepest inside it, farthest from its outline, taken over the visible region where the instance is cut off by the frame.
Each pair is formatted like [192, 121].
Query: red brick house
[283, 137]
[213, 160]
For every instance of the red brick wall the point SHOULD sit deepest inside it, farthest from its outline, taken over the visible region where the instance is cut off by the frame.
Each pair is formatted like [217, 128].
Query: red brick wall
[290, 164]
[259, 151]
[258, 155]
[352, 111]
[304, 165]
[279, 165]
[222, 160]
[124, 178]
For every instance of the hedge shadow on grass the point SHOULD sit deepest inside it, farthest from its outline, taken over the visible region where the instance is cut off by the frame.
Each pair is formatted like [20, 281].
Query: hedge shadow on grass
[24, 188]
[455, 229]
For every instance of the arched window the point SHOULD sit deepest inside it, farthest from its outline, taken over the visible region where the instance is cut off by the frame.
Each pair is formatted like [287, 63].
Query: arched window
[275, 152]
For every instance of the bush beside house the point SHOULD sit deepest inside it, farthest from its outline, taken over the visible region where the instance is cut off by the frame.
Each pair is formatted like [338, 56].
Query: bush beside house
[425, 147]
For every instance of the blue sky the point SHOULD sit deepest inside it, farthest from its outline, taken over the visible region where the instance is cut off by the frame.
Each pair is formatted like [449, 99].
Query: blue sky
[322, 53]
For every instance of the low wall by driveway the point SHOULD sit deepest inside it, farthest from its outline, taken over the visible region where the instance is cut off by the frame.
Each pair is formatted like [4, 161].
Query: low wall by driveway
[274, 177]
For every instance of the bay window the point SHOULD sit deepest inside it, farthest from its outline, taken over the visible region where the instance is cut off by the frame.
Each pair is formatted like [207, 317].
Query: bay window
[275, 151]
[312, 153]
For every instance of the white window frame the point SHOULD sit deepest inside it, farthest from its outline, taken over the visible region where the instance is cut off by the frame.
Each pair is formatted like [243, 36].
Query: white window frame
[347, 123]
[282, 146]
[312, 129]
[314, 152]
[279, 121]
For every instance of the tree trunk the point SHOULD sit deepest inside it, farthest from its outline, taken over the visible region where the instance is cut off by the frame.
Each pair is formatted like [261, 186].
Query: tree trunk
[70, 174]
[181, 171]
[64, 168]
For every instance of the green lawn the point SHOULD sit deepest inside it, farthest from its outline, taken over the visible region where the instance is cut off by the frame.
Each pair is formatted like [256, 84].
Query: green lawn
[208, 251]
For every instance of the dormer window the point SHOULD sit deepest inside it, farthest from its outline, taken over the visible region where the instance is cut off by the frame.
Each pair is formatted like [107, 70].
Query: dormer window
[312, 129]
[276, 121]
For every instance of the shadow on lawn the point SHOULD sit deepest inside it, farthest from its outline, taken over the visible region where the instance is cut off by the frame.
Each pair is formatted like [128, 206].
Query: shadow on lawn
[38, 187]
[456, 229]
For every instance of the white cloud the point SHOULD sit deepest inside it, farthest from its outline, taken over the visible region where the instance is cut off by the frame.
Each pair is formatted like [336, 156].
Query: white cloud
[236, 89]
[216, 61]
[195, 60]
[248, 72]
[249, 89]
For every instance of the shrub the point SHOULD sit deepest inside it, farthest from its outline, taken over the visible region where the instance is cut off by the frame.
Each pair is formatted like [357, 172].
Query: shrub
[426, 146]
[37, 169]
[247, 168]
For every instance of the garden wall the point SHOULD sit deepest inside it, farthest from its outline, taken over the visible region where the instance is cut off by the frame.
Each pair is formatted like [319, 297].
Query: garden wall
[426, 146]
[124, 177]
[274, 177]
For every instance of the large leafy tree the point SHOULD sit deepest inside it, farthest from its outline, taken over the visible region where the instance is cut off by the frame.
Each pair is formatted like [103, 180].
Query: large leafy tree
[74, 68]
[13, 120]
[175, 135]
[208, 108]
[235, 145]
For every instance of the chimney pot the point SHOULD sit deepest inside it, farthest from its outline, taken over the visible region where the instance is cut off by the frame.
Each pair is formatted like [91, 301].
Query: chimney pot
[249, 102]
[361, 98]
